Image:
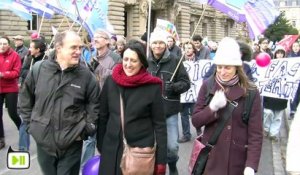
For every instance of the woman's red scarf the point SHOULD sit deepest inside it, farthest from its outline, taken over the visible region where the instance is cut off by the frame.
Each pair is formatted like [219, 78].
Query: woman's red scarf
[141, 78]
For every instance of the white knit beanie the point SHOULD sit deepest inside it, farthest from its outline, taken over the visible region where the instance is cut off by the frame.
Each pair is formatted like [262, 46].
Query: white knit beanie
[159, 35]
[228, 53]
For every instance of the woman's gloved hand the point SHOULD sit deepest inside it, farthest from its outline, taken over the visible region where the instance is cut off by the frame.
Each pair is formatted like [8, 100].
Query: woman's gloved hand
[160, 169]
[218, 101]
[249, 171]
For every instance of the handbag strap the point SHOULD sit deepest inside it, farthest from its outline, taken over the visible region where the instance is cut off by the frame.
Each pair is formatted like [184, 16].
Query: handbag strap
[203, 156]
[227, 113]
[122, 117]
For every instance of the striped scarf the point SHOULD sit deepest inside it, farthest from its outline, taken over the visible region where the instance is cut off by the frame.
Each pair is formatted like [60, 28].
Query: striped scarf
[235, 79]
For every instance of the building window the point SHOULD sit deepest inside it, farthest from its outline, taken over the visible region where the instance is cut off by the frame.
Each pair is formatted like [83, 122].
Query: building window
[33, 24]
[282, 4]
[226, 30]
[204, 30]
[192, 27]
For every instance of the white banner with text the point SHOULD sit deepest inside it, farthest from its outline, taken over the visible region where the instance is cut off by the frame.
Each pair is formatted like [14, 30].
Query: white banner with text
[280, 79]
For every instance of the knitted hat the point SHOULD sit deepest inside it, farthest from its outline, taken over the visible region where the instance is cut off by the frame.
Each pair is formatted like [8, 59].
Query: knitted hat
[114, 37]
[279, 47]
[159, 35]
[228, 53]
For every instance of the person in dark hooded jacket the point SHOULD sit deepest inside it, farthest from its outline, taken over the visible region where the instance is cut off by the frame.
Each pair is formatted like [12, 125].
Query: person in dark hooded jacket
[37, 53]
[162, 64]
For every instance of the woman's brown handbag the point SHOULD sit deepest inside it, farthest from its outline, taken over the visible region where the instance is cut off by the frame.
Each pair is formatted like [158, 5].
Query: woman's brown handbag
[136, 160]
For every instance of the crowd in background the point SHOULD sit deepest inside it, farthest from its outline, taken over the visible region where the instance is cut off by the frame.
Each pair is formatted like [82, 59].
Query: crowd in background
[104, 55]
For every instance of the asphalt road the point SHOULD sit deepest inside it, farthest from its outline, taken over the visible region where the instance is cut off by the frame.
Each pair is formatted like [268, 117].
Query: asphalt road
[11, 136]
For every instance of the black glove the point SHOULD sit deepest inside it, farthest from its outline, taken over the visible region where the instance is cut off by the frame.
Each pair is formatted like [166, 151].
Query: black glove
[89, 130]
[168, 88]
[94, 64]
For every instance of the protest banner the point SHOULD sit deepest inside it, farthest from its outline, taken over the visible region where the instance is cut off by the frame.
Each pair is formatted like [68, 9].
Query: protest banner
[280, 79]
[196, 71]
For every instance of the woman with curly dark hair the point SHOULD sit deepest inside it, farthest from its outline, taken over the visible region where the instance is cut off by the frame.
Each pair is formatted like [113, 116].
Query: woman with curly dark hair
[144, 119]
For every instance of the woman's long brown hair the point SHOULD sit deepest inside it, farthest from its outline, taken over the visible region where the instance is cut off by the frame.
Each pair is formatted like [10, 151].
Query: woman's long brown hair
[245, 83]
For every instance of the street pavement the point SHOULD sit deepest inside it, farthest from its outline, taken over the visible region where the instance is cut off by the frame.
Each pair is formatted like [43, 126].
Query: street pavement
[271, 163]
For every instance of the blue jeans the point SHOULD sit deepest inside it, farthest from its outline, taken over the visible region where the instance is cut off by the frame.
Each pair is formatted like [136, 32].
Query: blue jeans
[187, 110]
[88, 150]
[24, 138]
[173, 133]
[272, 121]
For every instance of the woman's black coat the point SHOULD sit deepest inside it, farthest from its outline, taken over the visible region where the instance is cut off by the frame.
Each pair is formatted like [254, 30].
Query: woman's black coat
[144, 121]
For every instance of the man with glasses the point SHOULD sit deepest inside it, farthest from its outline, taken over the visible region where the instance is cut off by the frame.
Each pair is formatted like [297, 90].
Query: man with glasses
[163, 64]
[263, 44]
[102, 62]
[59, 102]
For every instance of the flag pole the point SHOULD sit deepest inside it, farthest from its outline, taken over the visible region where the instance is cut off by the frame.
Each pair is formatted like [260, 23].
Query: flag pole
[149, 23]
[80, 18]
[181, 59]
[40, 28]
[62, 21]
[65, 14]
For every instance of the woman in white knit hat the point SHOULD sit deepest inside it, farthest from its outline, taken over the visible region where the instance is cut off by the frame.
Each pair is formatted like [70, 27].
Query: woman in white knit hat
[238, 147]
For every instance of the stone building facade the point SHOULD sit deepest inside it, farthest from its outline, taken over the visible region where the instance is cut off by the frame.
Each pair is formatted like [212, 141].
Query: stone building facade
[130, 19]
[291, 9]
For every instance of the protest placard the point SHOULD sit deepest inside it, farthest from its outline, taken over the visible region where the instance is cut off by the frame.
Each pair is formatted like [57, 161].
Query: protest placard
[280, 79]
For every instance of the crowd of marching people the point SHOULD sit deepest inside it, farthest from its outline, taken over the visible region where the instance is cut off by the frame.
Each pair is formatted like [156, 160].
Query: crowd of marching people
[105, 92]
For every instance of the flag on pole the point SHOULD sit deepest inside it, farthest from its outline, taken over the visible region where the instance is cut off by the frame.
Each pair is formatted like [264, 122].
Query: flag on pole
[168, 27]
[37, 7]
[288, 41]
[91, 14]
[258, 14]
[54, 30]
[16, 8]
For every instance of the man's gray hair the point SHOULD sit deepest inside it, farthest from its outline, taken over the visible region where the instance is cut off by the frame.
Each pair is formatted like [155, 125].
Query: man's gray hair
[59, 37]
[103, 33]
